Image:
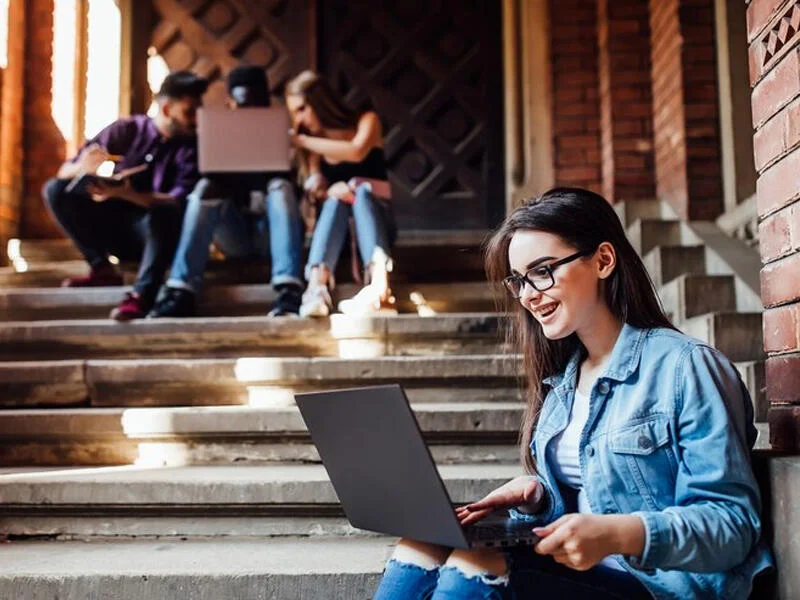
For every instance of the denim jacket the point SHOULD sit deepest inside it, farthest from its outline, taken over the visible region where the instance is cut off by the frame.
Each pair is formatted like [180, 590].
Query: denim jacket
[668, 438]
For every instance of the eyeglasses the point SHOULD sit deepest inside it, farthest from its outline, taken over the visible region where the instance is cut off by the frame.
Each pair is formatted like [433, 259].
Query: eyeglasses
[539, 277]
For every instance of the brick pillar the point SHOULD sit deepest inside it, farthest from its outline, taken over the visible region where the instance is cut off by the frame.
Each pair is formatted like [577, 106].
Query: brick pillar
[685, 106]
[626, 105]
[45, 147]
[576, 110]
[774, 38]
[13, 101]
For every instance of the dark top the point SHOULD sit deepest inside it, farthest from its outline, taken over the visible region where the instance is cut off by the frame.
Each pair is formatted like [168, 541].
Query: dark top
[372, 167]
[173, 161]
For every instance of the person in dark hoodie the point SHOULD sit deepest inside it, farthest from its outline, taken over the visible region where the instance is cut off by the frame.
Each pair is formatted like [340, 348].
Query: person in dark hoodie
[244, 214]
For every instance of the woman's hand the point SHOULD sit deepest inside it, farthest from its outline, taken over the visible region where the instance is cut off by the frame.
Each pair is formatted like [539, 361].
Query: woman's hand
[341, 191]
[580, 541]
[298, 140]
[525, 492]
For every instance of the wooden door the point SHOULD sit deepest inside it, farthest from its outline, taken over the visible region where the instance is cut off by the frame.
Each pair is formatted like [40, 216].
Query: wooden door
[432, 69]
[211, 37]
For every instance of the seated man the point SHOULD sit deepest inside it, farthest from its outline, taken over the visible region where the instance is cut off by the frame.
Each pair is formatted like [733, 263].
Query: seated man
[232, 210]
[139, 219]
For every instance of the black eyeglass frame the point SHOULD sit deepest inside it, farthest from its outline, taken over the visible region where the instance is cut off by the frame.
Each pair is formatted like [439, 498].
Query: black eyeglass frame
[549, 268]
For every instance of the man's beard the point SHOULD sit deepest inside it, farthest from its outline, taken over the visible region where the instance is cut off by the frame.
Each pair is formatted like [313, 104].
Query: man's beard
[177, 129]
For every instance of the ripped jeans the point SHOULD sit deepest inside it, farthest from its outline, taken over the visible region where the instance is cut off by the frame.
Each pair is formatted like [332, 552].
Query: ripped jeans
[532, 577]
[404, 581]
[212, 214]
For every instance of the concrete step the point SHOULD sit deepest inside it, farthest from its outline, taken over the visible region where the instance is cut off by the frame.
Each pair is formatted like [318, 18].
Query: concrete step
[646, 234]
[430, 256]
[252, 380]
[754, 378]
[665, 263]
[38, 304]
[311, 569]
[267, 490]
[691, 295]
[737, 335]
[175, 436]
[341, 335]
[633, 210]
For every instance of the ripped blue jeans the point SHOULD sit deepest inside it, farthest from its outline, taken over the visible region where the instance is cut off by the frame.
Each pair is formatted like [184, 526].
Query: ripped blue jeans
[531, 576]
[405, 581]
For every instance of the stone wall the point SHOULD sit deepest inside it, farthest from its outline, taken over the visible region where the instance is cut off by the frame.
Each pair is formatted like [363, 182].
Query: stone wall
[774, 37]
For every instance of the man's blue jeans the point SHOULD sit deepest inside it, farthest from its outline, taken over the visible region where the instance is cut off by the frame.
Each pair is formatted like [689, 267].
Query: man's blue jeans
[374, 225]
[211, 216]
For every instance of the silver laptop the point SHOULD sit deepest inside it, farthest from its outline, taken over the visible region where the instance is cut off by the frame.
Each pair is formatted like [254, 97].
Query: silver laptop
[244, 140]
[384, 475]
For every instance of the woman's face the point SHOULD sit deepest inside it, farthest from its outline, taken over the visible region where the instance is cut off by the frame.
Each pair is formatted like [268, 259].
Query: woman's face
[571, 303]
[303, 116]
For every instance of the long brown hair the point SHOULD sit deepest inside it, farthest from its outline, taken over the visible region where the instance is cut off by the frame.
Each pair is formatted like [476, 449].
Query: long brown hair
[331, 111]
[583, 220]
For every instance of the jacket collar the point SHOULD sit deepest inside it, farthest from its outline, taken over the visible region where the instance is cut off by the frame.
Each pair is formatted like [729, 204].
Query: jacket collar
[624, 360]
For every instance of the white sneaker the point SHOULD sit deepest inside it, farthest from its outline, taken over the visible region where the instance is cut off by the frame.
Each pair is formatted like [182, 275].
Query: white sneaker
[316, 301]
[368, 301]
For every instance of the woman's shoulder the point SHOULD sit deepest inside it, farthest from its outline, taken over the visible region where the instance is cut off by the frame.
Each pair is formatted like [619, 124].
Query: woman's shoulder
[664, 346]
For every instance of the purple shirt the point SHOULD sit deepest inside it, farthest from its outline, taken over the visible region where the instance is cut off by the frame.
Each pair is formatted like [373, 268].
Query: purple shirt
[173, 162]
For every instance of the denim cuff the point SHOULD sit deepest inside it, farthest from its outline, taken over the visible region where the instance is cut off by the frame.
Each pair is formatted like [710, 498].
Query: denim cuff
[179, 284]
[541, 516]
[287, 280]
[655, 544]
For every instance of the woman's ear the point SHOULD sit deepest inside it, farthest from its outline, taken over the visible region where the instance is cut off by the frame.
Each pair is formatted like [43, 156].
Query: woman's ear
[606, 256]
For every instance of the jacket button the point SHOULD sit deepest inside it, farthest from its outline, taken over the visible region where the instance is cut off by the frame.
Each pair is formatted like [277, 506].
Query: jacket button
[590, 450]
[604, 387]
[644, 442]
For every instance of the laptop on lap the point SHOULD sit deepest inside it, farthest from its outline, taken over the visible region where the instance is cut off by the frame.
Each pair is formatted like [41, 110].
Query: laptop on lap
[383, 472]
[245, 140]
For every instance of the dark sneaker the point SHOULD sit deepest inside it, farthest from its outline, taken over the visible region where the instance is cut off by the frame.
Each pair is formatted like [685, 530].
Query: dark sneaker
[288, 301]
[131, 307]
[101, 276]
[175, 303]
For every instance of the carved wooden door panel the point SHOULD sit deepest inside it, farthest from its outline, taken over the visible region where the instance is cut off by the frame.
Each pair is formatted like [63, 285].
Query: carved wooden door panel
[211, 37]
[432, 69]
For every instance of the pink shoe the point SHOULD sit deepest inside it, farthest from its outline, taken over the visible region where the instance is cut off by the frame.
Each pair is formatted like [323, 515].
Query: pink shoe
[131, 307]
[102, 276]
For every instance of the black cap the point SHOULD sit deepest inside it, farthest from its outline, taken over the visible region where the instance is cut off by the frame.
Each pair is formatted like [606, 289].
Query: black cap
[183, 84]
[252, 83]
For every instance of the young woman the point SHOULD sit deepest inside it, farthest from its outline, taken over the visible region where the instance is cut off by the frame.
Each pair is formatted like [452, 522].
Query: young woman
[636, 438]
[341, 163]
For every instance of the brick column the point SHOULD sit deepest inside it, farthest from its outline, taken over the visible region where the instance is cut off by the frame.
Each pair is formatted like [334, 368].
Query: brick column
[45, 147]
[13, 101]
[774, 38]
[686, 130]
[626, 105]
[576, 110]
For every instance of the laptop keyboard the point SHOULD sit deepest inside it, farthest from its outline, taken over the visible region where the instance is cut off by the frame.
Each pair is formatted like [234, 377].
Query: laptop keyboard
[495, 532]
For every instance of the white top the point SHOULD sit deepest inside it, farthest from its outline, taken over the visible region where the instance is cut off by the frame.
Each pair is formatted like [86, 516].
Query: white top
[564, 459]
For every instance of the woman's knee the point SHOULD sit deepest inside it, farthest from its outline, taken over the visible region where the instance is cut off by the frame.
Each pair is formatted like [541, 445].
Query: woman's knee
[479, 561]
[422, 554]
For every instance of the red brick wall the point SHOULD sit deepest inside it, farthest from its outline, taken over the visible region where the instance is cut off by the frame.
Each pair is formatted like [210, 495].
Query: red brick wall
[626, 106]
[775, 75]
[576, 107]
[686, 130]
[43, 143]
[11, 172]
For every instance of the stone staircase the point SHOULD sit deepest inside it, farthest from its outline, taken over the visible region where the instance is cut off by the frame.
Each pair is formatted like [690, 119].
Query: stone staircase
[166, 459]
